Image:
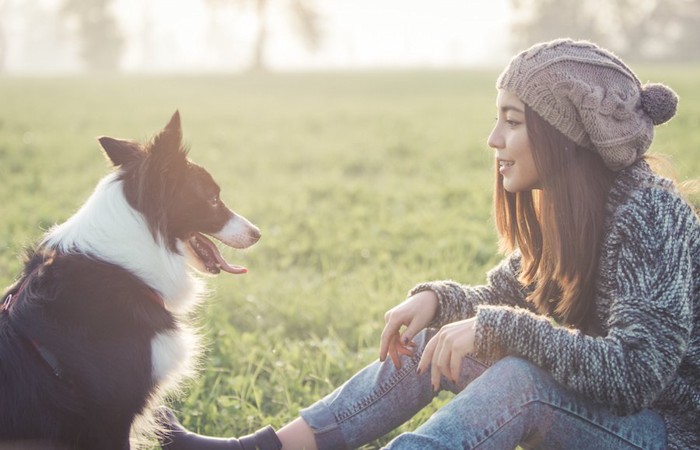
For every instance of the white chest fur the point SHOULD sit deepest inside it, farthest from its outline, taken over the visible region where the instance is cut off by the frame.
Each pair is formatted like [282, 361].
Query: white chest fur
[172, 356]
[108, 228]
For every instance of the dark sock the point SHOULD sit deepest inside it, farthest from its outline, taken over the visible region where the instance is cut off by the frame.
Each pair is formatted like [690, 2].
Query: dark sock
[177, 437]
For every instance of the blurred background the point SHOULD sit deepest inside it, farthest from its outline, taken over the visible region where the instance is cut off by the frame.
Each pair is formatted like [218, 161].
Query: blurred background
[353, 132]
[39, 37]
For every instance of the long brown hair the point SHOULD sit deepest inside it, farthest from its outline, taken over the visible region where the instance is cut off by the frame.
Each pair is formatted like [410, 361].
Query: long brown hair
[558, 228]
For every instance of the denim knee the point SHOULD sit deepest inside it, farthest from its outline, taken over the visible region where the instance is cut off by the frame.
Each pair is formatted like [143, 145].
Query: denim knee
[524, 374]
[515, 364]
[520, 383]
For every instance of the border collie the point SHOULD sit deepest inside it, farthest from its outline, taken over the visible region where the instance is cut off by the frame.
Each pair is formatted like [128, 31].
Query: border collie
[93, 332]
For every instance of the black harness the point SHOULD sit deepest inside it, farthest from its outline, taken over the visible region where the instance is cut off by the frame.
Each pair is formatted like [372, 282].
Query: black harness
[49, 359]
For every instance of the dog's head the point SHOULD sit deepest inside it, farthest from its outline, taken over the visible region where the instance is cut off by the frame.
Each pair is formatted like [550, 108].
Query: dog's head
[179, 199]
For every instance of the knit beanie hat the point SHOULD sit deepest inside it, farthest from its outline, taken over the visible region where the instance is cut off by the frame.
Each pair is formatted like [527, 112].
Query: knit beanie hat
[591, 96]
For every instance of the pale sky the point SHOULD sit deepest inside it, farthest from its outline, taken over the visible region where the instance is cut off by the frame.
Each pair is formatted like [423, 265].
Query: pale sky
[186, 36]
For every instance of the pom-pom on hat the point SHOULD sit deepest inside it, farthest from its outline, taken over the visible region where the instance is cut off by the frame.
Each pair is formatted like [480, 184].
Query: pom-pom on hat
[591, 96]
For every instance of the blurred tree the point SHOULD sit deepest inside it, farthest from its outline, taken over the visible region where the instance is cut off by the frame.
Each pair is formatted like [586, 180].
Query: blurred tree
[541, 20]
[146, 36]
[635, 29]
[688, 42]
[3, 35]
[305, 21]
[101, 43]
[658, 29]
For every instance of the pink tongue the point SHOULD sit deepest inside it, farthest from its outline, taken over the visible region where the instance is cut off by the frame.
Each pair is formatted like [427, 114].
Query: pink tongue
[226, 267]
[223, 264]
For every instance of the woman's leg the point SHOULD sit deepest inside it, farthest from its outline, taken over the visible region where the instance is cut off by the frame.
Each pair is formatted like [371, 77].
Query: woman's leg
[376, 400]
[373, 402]
[515, 402]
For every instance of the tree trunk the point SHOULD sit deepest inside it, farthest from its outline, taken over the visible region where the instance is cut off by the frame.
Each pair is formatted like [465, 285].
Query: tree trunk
[259, 64]
[3, 38]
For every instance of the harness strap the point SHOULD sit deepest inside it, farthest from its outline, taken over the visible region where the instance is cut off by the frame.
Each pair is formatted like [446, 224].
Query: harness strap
[50, 360]
[45, 354]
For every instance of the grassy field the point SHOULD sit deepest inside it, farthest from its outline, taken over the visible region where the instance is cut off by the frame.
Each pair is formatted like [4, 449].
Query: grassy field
[363, 185]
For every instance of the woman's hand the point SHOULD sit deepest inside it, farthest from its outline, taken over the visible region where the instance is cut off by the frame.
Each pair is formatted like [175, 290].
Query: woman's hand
[415, 313]
[446, 350]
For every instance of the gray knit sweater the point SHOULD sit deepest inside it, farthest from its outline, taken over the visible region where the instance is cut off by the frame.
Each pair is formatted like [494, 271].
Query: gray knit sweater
[647, 304]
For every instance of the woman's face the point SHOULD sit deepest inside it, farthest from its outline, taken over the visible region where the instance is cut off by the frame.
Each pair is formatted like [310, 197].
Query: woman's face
[510, 140]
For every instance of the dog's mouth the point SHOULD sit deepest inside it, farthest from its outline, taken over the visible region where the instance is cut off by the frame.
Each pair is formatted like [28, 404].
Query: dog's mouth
[209, 255]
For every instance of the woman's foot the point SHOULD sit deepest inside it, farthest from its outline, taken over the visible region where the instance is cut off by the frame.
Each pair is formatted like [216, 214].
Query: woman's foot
[177, 437]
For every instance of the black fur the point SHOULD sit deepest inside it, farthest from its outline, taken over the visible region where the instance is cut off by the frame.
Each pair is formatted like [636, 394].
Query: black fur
[98, 321]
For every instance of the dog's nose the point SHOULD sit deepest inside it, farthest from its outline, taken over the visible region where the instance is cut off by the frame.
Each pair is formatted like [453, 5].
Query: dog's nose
[255, 234]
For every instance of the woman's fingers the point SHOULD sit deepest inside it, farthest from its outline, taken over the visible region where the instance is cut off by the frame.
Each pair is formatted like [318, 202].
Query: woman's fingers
[415, 313]
[435, 369]
[443, 356]
[441, 361]
[394, 354]
[396, 349]
[412, 328]
[455, 366]
[407, 349]
[389, 333]
[427, 356]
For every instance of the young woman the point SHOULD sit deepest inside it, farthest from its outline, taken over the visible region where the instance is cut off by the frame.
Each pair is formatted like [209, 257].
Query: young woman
[587, 335]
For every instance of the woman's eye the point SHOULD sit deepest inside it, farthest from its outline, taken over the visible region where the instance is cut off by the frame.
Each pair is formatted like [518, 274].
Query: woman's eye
[511, 123]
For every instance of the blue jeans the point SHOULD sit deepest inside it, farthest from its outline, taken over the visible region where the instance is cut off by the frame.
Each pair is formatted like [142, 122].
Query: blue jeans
[510, 403]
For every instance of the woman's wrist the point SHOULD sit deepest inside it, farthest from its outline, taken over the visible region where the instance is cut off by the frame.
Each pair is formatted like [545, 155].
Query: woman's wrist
[431, 293]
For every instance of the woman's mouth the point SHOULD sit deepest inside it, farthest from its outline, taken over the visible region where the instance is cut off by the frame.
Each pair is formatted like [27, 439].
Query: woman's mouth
[504, 165]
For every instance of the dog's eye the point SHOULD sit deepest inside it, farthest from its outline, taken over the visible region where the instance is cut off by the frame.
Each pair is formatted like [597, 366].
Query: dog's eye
[215, 200]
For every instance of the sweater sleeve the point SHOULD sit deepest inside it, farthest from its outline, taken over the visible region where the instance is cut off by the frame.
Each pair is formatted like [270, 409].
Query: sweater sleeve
[459, 301]
[647, 279]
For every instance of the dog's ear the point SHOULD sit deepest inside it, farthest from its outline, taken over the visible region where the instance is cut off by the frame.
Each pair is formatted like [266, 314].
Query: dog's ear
[170, 138]
[120, 151]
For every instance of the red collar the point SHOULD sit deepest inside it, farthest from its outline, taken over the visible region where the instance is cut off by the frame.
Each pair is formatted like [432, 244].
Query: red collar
[156, 298]
[9, 298]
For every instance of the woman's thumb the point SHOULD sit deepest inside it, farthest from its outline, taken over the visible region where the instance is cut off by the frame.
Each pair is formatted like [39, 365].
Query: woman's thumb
[411, 330]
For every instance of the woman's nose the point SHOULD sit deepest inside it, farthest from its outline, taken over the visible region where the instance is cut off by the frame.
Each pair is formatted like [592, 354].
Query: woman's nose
[495, 140]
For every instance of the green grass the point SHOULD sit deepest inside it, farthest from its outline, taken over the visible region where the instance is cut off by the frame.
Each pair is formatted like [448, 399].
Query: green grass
[363, 185]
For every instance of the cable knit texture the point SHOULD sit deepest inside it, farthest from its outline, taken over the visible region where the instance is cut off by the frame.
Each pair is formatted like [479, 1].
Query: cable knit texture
[647, 303]
[591, 96]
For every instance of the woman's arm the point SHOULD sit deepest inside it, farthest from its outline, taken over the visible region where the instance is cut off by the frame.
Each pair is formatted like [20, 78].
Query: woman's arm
[459, 301]
[439, 302]
[649, 288]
